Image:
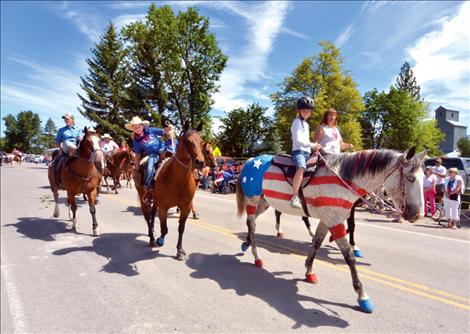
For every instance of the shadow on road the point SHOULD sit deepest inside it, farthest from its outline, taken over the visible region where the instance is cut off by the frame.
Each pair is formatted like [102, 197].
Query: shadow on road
[281, 294]
[122, 250]
[327, 251]
[39, 228]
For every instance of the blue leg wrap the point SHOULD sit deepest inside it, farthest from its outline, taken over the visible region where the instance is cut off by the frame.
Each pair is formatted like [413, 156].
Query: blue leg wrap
[244, 246]
[358, 253]
[160, 241]
[366, 305]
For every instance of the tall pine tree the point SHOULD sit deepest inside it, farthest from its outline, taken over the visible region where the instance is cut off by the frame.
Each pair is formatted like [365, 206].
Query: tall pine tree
[406, 81]
[105, 86]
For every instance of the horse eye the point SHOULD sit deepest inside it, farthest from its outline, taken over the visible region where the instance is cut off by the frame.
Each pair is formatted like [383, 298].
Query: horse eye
[411, 178]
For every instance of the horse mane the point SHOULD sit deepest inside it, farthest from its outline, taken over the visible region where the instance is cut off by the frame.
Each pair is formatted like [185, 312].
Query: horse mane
[368, 162]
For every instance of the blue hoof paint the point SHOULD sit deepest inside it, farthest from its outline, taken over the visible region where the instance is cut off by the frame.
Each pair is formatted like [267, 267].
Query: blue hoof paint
[366, 305]
[160, 241]
[358, 253]
[245, 246]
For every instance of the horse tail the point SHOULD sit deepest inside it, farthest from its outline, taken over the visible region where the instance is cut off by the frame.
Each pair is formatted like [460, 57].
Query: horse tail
[240, 199]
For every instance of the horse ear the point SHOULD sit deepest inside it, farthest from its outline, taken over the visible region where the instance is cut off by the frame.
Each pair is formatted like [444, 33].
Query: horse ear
[85, 130]
[420, 156]
[185, 127]
[410, 153]
[199, 127]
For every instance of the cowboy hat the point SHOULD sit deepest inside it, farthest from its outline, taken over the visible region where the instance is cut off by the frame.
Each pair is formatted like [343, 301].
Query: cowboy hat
[106, 135]
[67, 116]
[91, 129]
[134, 121]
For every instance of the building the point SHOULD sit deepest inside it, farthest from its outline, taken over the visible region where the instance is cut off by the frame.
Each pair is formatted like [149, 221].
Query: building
[448, 122]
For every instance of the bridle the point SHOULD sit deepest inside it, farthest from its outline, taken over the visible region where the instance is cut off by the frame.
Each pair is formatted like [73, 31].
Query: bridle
[193, 158]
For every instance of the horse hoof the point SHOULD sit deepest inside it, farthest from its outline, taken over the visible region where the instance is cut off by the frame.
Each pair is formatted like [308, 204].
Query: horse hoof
[160, 241]
[152, 243]
[280, 235]
[311, 278]
[358, 253]
[259, 263]
[195, 215]
[96, 232]
[181, 256]
[245, 246]
[366, 305]
[75, 228]
[56, 214]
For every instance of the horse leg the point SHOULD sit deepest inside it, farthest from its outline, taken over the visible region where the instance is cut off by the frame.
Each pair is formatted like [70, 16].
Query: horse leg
[56, 201]
[280, 233]
[180, 253]
[352, 227]
[363, 300]
[308, 226]
[116, 182]
[91, 203]
[162, 216]
[252, 206]
[320, 233]
[73, 210]
[193, 210]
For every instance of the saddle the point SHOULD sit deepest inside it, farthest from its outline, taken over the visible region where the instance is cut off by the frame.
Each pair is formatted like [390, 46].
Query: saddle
[58, 164]
[285, 163]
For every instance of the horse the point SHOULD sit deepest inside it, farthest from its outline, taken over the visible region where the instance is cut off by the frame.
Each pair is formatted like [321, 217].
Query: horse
[116, 165]
[17, 158]
[174, 186]
[79, 174]
[339, 180]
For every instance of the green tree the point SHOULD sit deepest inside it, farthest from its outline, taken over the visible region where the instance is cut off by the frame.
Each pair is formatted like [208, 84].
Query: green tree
[176, 64]
[463, 145]
[406, 81]
[245, 132]
[324, 78]
[105, 85]
[23, 132]
[396, 120]
[49, 133]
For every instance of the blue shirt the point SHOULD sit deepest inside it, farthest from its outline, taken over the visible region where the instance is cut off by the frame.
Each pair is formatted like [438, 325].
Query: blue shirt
[149, 141]
[68, 134]
[169, 147]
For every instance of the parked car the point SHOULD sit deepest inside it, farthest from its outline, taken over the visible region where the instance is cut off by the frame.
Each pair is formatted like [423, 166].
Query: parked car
[461, 163]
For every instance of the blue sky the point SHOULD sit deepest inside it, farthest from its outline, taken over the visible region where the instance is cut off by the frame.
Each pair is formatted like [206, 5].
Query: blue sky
[44, 45]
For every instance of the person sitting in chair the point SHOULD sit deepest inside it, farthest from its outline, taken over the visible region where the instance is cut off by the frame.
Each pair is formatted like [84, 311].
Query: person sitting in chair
[147, 139]
[69, 136]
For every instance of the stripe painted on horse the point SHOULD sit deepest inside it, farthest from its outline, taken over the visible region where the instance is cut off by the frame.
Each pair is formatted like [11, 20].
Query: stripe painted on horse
[316, 201]
[251, 209]
[338, 231]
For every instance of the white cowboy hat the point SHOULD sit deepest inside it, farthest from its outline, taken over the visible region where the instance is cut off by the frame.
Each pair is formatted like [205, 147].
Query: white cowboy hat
[136, 120]
[91, 129]
[67, 116]
[106, 135]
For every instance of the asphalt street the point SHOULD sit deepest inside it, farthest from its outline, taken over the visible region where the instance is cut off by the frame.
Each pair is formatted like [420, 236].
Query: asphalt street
[54, 280]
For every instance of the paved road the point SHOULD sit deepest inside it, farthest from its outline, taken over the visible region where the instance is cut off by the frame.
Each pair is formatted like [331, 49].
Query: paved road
[58, 281]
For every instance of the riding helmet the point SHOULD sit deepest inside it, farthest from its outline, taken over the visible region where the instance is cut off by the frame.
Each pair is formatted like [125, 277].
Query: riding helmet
[305, 102]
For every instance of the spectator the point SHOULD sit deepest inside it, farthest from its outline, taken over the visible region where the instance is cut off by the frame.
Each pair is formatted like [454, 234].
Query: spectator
[453, 187]
[440, 171]
[429, 185]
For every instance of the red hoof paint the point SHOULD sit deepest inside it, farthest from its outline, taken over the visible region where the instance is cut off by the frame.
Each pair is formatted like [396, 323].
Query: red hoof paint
[259, 263]
[311, 278]
[280, 235]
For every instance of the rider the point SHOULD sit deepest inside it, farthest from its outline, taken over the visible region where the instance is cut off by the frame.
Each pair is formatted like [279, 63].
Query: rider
[301, 145]
[108, 146]
[328, 135]
[147, 139]
[69, 136]
[16, 152]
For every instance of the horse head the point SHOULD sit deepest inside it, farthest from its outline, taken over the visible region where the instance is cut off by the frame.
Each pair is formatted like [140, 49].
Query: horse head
[190, 146]
[89, 144]
[208, 153]
[405, 185]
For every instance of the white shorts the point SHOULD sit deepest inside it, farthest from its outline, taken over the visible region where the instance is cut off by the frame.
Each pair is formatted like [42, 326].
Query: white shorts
[452, 209]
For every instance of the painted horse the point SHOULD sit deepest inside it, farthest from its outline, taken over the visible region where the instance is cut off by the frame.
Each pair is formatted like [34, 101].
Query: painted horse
[78, 174]
[339, 180]
[175, 185]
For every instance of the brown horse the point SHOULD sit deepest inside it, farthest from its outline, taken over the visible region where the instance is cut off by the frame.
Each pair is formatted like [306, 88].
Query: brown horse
[79, 174]
[174, 186]
[117, 164]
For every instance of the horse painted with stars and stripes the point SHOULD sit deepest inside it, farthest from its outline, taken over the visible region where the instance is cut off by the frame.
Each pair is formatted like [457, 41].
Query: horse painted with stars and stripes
[338, 182]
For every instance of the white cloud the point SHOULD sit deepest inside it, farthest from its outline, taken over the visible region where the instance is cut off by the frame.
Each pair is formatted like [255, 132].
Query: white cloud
[88, 23]
[345, 35]
[442, 62]
[49, 91]
[124, 20]
[294, 33]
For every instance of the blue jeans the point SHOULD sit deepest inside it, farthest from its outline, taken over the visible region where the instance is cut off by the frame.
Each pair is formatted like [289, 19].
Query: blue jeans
[300, 158]
[154, 158]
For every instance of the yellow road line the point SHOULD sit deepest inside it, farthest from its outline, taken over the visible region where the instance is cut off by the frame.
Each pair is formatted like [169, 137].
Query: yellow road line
[385, 279]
